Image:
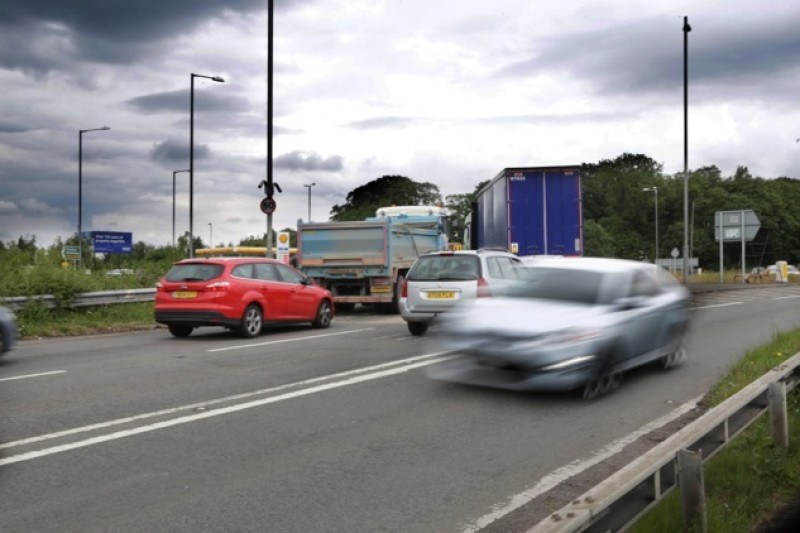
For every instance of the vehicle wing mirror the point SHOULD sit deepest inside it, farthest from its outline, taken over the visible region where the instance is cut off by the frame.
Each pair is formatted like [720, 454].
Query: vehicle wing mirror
[627, 303]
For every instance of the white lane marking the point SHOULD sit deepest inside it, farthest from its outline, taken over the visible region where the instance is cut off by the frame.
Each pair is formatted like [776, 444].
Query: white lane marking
[718, 305]
[578, 466]
[786, 297]
[207, 403]
[296, 339]
[27, 376]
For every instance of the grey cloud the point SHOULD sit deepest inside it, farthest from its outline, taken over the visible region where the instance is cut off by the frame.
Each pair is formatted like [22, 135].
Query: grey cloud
[10, 127]
[383, 122]
[172, 151]
[179, 101]
[647, 57]
[308, 161]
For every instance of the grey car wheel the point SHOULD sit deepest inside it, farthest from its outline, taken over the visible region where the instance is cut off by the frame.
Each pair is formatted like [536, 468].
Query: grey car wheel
[324, 315]
[677, 355]
[252, 321]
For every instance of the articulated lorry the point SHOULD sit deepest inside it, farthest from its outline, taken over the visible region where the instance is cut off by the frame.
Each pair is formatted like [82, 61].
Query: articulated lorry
[529, 211]
[366, 261]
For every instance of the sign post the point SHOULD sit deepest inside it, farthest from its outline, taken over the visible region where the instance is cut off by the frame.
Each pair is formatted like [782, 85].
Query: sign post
[733, 226]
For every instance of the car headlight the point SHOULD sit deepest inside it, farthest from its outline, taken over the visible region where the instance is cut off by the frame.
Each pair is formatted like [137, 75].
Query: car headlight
[570, 362]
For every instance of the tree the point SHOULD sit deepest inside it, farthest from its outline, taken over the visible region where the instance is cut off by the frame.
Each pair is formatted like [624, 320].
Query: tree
[363, 201]
[460, 206]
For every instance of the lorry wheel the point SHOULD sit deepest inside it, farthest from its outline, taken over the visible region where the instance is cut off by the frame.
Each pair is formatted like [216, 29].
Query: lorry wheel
[417, 328]
[252, 321]
[179, 330]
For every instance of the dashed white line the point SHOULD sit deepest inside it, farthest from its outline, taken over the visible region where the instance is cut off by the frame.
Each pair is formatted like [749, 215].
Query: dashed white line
[786, 297]
[28, 376]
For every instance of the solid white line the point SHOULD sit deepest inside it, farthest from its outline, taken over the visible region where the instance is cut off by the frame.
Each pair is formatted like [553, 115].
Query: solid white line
[718, 305]
[297, 339]
[189, 407]
[33, 375]
[576, 467]
[786, 297]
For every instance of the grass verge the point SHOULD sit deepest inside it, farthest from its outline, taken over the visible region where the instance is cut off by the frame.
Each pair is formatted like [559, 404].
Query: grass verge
[750, 480]
[39, 321]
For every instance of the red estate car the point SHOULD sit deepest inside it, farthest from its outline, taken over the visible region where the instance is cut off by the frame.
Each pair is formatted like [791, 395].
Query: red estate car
[239, 293]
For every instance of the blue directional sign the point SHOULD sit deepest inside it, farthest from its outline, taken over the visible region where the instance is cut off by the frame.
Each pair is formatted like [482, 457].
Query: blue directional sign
[112, 242]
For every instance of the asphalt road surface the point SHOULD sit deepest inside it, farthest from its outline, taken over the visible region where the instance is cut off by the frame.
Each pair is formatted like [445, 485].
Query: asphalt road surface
[325, 430]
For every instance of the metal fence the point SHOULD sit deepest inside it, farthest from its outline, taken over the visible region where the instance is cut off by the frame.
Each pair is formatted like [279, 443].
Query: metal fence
[624, 497]
[86, 299]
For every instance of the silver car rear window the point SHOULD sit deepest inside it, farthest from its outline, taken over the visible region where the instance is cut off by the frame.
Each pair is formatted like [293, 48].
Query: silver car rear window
[445, 268]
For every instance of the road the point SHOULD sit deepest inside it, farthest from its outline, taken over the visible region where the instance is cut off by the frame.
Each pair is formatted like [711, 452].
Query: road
[324, 430]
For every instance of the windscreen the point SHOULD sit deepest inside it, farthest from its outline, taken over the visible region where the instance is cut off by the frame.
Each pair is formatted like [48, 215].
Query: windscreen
[194, 272]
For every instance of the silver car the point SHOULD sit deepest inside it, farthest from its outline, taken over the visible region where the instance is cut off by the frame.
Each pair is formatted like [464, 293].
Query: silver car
[571, 323]
[439, 280]
[8, 330]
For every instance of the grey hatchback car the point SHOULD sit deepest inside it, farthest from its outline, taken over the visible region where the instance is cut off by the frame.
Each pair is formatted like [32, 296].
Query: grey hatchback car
[439, 280]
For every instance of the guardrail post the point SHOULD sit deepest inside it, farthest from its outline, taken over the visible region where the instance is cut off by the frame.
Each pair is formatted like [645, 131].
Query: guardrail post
[779, 421]
[693, 492]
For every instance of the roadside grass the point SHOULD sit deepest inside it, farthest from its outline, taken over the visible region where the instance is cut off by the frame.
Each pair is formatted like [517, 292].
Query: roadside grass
[39, 321]
[751, 480]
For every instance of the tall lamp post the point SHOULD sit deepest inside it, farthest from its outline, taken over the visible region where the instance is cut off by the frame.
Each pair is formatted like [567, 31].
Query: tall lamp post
[80, 189]
[655, 191]
[309, 185]
[191, 156]
[210, 235]
[173, 203]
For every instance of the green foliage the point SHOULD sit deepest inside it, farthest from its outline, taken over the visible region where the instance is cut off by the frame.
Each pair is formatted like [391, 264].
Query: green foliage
[363, 201]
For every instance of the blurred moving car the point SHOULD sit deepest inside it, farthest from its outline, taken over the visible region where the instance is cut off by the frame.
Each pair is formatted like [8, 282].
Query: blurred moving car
[439, 280]
[239, 293]
[8, 330]
[572, 323]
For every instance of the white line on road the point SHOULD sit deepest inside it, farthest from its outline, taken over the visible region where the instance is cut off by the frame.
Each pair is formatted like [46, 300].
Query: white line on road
[296, 339]
[404, 365]
[574, 468]
[786, 297]
[27, 376]
[717, 305]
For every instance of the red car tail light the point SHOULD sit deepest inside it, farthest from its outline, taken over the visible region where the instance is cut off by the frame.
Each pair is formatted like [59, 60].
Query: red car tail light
[404, 289]
[483, 288]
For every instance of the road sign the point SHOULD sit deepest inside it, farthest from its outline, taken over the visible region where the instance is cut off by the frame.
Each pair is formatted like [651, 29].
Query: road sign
[71, 252]
[675, 253]
[268, 205]
[734, 224]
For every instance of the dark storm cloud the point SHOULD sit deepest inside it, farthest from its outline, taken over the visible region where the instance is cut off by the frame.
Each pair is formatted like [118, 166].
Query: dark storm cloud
[308, 161]
[38, 36]
[179, 102]
[647, 57]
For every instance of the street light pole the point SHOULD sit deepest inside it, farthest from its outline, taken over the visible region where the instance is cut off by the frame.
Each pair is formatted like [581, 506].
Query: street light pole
[309, 185]
[80, 190]
[686, 30]
[210, 235]
[173, 203]
[654, 190]
[191, 156]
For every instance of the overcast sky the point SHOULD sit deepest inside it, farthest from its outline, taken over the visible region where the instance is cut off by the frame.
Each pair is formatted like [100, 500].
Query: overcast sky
[445, 91]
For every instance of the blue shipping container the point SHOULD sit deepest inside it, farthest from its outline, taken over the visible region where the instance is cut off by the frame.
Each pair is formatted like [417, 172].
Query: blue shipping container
[532, 211]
